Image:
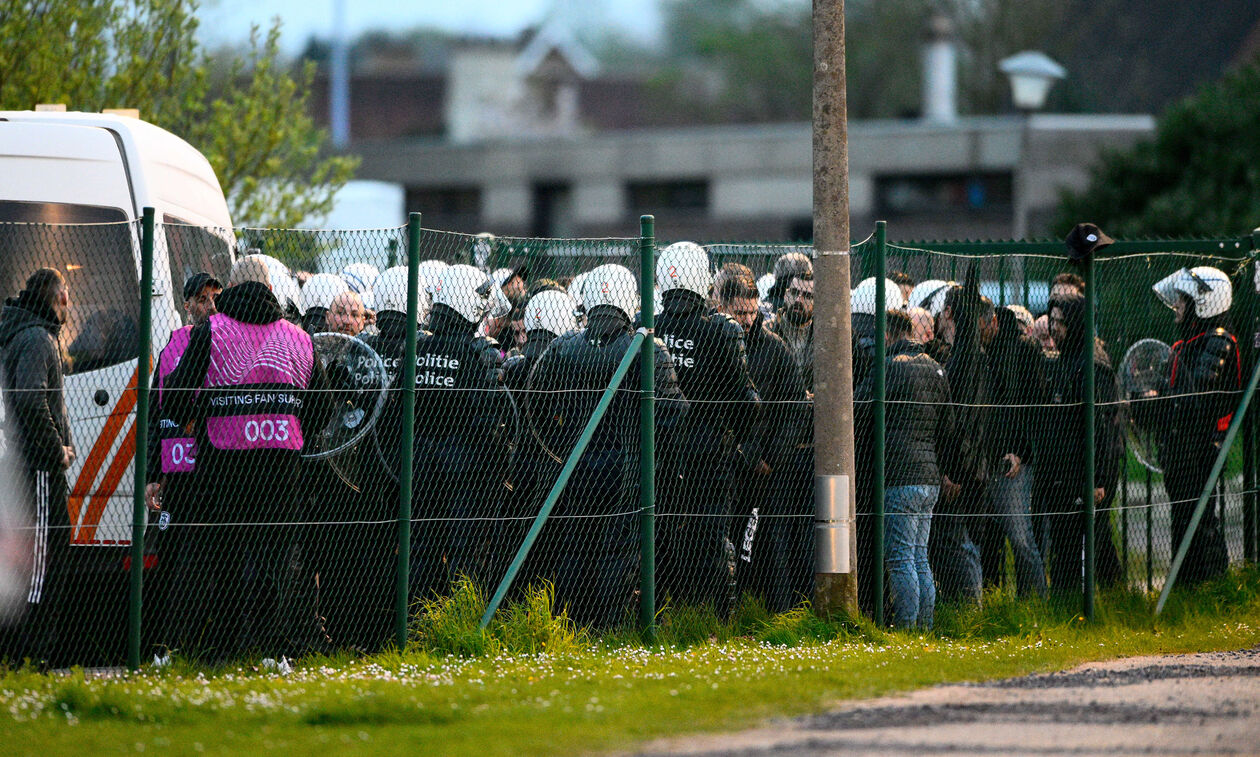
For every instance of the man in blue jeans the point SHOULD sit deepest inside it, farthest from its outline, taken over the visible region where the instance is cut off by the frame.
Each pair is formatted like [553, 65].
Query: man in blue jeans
[919, 421]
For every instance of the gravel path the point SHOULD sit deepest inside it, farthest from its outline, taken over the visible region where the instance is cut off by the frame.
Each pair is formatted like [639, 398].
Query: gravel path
[1181, 704]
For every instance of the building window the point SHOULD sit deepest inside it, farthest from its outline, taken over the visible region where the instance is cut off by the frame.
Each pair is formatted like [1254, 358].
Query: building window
[658, 196]
[448, 208]
[926, 194]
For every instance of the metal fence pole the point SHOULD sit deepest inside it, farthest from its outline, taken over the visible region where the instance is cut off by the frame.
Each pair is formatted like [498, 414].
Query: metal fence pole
[1091, 302]
[647, 427]
[1248, 344]
[402, 579]
[139, 517]
[835, 539]
[878, 417]
[1150, 533]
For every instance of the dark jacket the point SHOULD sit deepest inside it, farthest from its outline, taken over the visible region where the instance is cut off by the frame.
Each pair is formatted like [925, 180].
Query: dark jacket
[1204, 379]
[568, 380]
[458, 392]
[785, 406]
[967, 369]
[1017, 384]
[800, 344]
[34, 391]
[712, 368]
[919, 420]
[516, 368]
[1060, 467]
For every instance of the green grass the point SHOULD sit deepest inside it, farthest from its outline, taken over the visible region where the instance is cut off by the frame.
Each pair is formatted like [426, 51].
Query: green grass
[535, 684]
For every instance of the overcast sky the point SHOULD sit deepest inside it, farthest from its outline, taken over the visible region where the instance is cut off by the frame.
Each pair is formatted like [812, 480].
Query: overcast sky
[226, 21]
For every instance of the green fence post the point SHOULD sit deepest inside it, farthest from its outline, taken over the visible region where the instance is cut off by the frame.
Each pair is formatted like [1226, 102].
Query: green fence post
[402, 579]
[1002, 280]
[1123, 499]
[1091, 302]
[139, 516]
[877, 417]
[1248, 344]
[647, 428]
[1150, 533]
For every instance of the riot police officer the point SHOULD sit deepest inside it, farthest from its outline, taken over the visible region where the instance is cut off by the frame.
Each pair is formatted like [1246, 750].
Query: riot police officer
[317, 297]
[697, 558]
[592, 538]
[1204, 377]
[463, 431]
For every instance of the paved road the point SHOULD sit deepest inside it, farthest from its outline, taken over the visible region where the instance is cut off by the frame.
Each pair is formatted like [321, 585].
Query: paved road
[1183, 704]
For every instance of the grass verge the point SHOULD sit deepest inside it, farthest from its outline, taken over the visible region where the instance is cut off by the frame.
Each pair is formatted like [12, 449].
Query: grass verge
[533, 684]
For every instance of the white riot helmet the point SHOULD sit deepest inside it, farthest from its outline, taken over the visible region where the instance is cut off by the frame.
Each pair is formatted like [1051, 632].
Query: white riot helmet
[1208, 288]
[764, 285]
[930, 295]
[550, 311]
[321, 289]
[360, 277]
[471, 293]
[863, 296]
[684, 265]
[611, 284]
[390, 289]
[283, 285]
[430, 272]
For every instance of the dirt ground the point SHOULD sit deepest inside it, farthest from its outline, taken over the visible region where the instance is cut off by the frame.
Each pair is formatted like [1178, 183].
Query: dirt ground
[1181, 704]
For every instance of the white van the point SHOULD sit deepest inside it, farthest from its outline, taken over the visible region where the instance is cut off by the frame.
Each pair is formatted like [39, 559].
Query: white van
[58, 172]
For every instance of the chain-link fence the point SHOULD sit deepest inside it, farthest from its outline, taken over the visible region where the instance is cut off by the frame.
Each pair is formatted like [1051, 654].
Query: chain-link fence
[307, 483]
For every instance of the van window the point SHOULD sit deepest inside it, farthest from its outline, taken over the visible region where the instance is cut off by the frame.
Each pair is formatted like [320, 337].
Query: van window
[93, 248]
[192, 249]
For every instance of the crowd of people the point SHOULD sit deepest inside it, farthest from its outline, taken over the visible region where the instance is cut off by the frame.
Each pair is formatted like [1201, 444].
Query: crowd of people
[265, 549]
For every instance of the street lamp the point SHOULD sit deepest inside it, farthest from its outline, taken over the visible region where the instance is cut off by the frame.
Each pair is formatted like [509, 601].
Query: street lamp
[1032, 74]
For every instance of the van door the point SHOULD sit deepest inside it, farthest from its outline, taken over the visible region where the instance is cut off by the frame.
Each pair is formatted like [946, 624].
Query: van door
[93, 247]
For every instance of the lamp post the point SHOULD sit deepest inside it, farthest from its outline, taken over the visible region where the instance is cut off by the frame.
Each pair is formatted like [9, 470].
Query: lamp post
[1032, 74]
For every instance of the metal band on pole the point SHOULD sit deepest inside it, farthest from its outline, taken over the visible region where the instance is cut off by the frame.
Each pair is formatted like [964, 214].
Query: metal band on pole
[878, 413]
[139, 516]
[402, 578]
[647, 428]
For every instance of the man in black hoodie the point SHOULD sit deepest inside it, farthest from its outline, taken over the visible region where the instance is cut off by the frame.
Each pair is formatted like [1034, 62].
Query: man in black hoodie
[35, 407]
[1061, 467]
[773, 543]
[254, 390]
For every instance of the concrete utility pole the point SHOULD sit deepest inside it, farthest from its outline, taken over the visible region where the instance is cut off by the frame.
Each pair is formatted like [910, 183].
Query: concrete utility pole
[835, 535]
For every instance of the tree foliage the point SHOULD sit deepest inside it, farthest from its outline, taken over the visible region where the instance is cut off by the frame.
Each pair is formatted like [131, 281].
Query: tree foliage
[246, 115]
[1198, 175]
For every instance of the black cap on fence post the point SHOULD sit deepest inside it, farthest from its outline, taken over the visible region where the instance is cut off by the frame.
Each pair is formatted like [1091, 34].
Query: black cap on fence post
[1084, 240]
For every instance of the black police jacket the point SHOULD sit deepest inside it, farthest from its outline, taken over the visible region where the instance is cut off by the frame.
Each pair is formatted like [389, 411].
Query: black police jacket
[568, 380]
[458, 393]
[1205, 374]
[517, 367]
[712, 366]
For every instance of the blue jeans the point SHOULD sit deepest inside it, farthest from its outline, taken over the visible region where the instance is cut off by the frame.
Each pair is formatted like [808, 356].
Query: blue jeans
[1011, 499]
[907, 524]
